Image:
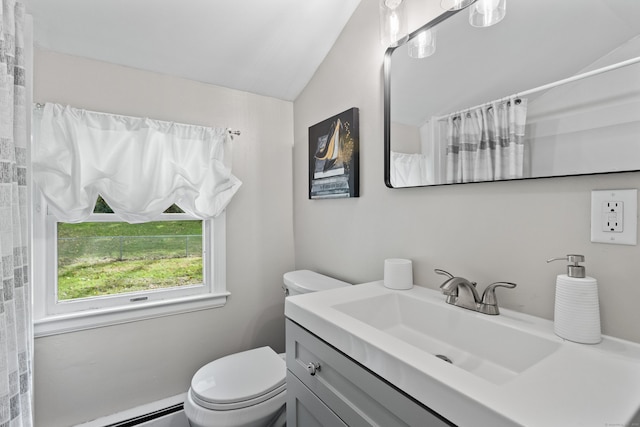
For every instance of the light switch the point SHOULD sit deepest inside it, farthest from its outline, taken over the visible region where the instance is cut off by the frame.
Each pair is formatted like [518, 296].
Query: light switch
[614, 216]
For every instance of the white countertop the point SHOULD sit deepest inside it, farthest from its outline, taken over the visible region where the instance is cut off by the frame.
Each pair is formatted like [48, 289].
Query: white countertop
[576, 385]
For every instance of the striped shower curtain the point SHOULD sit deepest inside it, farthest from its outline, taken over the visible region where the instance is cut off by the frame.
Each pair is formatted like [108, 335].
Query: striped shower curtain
[487, 143]
[15, 295]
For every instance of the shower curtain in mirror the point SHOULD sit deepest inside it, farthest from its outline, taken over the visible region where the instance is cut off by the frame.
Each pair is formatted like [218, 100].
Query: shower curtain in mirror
[408, 169]
[487, 143]
[15, 296]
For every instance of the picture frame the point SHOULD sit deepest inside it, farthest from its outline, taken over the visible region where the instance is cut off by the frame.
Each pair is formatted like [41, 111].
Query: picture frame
[334, 148]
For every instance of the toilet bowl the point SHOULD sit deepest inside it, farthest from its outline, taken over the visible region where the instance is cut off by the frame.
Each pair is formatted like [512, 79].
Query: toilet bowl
[245, 389]
[248, 389]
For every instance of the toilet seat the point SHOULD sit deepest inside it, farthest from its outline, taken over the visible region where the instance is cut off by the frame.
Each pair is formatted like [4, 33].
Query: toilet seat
[239, 380]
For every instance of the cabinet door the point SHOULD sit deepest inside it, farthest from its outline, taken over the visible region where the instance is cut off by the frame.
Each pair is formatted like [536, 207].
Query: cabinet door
[304, 409]
[357, 396]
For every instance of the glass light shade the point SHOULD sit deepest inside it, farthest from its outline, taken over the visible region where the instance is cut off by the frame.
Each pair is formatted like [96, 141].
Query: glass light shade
[455, 4]
[393, 22]
[423, 44]
[485, 13]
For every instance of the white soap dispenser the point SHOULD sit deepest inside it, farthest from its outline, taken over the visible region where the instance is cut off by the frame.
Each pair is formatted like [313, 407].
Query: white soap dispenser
[577, 309]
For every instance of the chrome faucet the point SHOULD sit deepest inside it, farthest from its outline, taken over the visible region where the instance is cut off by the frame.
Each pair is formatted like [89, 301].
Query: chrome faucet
[463, 293]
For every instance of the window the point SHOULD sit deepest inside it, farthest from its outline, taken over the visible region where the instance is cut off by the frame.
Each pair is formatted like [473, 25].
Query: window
[103, 270]
[93, 269]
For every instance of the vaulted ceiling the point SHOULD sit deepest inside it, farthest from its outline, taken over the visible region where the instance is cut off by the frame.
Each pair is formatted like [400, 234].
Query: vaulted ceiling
[267, 47]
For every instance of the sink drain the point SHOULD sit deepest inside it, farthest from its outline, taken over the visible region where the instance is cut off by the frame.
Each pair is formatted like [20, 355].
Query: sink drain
[443, 357]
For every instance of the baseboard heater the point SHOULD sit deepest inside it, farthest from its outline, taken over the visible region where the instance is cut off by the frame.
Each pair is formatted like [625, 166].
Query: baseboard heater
[136, 421]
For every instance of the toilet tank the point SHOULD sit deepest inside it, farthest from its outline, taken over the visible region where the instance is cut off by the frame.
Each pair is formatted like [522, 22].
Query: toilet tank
[305, 281]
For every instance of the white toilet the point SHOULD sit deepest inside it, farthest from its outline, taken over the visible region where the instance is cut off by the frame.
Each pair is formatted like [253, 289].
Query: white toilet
[248, 389]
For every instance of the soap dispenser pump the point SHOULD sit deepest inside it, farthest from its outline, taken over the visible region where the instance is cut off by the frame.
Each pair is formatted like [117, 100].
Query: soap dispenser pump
[577, 309]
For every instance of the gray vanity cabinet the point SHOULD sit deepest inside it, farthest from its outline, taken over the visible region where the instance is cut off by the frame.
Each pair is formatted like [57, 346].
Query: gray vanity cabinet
[327, 388]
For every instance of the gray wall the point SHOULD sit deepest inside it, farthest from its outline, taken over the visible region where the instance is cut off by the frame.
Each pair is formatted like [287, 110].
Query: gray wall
[85, 375]
[485, 232]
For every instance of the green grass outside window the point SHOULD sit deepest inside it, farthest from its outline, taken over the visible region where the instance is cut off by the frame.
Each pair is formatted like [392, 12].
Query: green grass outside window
[105, 258]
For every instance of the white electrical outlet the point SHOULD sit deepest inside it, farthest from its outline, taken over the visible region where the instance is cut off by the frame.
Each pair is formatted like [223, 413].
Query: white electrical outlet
[614, 217]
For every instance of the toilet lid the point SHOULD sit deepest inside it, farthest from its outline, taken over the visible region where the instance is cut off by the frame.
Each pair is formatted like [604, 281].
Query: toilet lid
[239, 380]
[305, 281]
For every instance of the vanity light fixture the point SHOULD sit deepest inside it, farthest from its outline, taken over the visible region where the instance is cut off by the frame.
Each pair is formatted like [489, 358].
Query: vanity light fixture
[455, 4]
[423, 44]
[485, 13]
[393, 22]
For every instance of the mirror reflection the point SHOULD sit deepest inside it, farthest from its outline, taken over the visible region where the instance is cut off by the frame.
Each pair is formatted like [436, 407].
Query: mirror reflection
[553, 89]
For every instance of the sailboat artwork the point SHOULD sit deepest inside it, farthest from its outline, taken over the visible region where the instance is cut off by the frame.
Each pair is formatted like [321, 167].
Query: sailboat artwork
[333, 157]
[328, 162]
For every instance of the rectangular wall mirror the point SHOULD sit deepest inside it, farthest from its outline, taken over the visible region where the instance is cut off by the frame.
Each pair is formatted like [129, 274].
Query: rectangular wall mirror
[551, 90]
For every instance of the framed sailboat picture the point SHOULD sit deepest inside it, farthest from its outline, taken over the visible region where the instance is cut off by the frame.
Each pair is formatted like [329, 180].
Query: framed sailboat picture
[333, 157]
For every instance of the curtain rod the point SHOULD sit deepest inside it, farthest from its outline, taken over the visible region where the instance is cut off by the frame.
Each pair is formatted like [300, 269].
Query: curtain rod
[554, 84]
[516, 100]
[40, 106]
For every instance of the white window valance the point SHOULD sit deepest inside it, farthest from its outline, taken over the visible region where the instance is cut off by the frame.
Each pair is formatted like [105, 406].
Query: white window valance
[138, 165]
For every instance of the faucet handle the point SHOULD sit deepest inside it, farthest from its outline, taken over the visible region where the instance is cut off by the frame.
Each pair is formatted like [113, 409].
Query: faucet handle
[450, 291]
[450, 276]
[489, 294]
[444, 273]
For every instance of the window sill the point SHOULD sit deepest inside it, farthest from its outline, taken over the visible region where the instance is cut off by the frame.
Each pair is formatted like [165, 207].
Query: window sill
[65, 323]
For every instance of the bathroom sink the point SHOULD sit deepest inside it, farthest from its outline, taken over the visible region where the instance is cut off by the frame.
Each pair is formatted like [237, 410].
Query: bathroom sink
[474, 342]
[506, 370]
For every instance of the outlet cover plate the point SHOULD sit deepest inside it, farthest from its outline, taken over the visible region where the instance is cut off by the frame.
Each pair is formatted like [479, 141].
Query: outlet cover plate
[629, 216]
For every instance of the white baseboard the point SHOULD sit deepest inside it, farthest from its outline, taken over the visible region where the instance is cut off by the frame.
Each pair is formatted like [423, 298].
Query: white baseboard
[136, 412]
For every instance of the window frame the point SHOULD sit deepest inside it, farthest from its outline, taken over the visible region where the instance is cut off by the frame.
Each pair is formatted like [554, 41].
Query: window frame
[52, 317]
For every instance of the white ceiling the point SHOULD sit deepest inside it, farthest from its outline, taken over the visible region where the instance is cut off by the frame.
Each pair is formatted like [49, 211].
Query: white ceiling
[267, 47]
